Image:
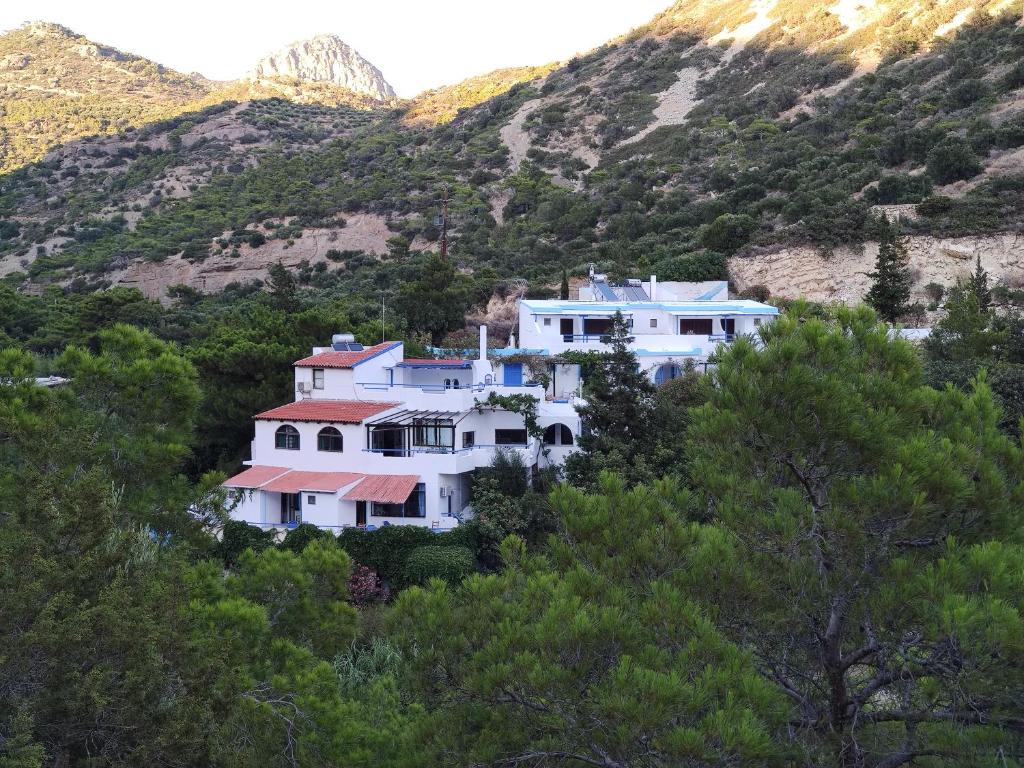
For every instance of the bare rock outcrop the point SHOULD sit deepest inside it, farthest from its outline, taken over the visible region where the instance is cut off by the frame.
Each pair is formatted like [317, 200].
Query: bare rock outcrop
[842, 276]
[325, 59]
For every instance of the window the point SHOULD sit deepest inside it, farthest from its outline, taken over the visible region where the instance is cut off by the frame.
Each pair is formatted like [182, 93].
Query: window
[433, 433]
[330, 440]
[510, 437]
[547, 321]
[558, 434]
[757, 321]
[414, 506]
[455, 383]
[654, 322]
[597, 326]
[468, 439]
[695, 326]
[311, 501]
[287, 438]
[318, 378]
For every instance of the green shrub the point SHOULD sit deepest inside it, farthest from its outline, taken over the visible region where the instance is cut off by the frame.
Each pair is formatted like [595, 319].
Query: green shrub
[301, 536]
[728, 233]
[237, 537]
[451, 564]
[900, 188]
[386, 549]
[952, 160]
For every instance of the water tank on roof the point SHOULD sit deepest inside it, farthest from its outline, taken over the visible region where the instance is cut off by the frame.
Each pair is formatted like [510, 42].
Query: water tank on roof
[345, 342]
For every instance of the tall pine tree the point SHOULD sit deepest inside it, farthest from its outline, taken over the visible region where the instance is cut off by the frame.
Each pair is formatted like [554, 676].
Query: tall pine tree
[890, 292]
[978, 284]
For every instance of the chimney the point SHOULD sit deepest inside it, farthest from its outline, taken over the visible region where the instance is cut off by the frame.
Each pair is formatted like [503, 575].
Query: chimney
[483, 343]
[654, 288]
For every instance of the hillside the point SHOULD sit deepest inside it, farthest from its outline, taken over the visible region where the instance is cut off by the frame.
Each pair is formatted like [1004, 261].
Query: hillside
[57, 86]
[721, 138]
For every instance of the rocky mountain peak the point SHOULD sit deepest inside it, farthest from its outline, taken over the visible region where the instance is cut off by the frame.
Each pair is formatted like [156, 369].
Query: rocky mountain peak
[326, 59]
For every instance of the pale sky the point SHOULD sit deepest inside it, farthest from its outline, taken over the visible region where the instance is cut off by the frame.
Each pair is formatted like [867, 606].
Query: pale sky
[416, 44]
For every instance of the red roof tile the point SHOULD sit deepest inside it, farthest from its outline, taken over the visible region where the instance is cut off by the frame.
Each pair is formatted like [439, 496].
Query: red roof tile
[296, 480]
[255, 476]
[387, 489]
[344, 359]
[332, 411]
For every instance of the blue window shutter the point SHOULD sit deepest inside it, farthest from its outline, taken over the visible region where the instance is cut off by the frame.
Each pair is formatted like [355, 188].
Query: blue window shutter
[513, 374]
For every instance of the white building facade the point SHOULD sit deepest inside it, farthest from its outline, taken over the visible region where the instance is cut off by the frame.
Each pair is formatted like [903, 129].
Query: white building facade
[374, 438]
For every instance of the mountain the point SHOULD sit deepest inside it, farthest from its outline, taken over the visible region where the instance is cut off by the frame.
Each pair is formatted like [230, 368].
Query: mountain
[760, 141]
[56, 86]
[324, 59]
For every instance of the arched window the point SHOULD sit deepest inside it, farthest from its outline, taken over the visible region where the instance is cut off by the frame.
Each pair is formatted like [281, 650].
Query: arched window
[287, 437]
[329, 439]
[667, 372]
[455, 383]
[558, 434]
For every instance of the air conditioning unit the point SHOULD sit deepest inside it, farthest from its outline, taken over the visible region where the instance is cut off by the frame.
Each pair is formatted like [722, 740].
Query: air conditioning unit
[304, 387]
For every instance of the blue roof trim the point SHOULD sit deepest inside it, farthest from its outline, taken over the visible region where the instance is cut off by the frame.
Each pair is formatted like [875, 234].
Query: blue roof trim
[512, 351]
[537, 306]
[714, 291]
[668, 353]
[394, 346]
[438, 365]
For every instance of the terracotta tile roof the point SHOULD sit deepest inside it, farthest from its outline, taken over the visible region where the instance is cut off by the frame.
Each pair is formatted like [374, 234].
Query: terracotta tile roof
[387, 489]
[297, 480]
[331, 411]
[255, 476]
[345, 359]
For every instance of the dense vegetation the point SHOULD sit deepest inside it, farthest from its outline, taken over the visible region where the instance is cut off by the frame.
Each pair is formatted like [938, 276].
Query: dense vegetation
[809, 556]
[827, 574]
[803, 158]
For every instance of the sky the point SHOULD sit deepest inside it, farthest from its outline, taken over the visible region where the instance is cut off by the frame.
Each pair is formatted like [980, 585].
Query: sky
[415, 43]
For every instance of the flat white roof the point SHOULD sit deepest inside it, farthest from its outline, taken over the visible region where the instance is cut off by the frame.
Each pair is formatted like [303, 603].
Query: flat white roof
[733, 307]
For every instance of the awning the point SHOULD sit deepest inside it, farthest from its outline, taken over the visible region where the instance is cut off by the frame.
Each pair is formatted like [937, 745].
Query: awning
[399, 418]
[255, 476]
[326, 482]
[386, 489]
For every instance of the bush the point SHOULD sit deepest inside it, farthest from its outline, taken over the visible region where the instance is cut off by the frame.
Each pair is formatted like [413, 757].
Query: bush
[728, 233]
[301, 536]
[386, 549]
[449, 563]
[952, 160]
[237, 537]
[900, 188]
[365, 587]
[693, 268]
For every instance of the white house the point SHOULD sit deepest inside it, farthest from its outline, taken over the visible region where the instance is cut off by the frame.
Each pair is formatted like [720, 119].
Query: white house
[376, 438]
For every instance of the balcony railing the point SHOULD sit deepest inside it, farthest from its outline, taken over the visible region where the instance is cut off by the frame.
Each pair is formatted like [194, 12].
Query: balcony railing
[443, 450]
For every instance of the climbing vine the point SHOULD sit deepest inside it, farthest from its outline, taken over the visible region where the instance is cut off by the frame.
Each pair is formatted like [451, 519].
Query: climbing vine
[525, 405]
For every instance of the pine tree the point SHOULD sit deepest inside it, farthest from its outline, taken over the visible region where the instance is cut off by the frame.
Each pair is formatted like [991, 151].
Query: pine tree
[978, 284]
[868, 516]
[890, 292]
[618, 417]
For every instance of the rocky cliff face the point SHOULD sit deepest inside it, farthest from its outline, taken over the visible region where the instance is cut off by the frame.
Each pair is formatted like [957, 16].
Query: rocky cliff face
[325, 59]
[843, 275]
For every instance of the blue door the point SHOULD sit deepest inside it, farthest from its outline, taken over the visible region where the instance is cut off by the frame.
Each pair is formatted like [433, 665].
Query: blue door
[513, 374]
